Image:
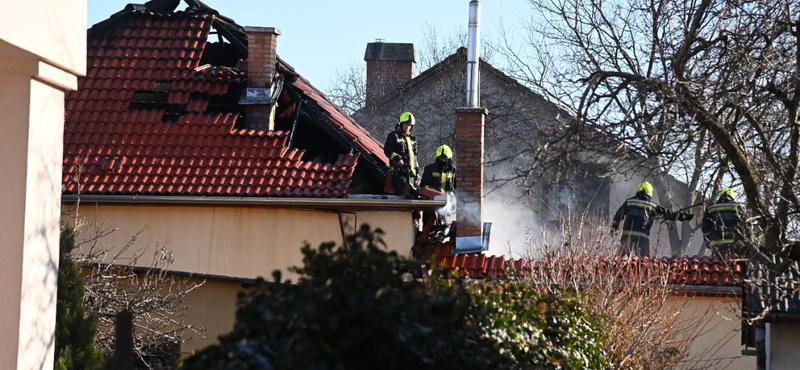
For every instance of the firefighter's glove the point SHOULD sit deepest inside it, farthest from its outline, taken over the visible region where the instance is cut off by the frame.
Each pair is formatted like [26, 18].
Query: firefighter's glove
[399, 163]
[685, 216]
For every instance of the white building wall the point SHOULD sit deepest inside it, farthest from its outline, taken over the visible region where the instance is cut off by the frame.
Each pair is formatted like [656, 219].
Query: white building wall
[42, 51]
[783, 346]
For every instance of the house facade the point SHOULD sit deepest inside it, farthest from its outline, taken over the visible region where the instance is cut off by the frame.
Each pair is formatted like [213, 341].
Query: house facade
[219, 149]
[42, 53]
[518, 123]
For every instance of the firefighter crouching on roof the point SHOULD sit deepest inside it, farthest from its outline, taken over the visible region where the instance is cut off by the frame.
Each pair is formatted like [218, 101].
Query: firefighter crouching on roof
[440, 176]
[637, 214]
[401, 149]
[723, 225]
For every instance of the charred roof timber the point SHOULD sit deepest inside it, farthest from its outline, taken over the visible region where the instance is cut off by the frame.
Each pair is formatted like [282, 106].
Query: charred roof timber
[225, 26]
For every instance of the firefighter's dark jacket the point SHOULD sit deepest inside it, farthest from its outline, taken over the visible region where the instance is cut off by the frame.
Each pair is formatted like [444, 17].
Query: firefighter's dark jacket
[722, 220]
[637, 214]
[440, 176]
[401, 146]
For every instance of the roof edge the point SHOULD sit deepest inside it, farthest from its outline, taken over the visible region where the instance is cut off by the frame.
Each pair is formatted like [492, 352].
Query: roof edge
[733, 290]
[358, 203]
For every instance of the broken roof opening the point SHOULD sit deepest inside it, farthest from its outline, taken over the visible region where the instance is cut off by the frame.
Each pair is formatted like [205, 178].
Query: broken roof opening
[175, 80]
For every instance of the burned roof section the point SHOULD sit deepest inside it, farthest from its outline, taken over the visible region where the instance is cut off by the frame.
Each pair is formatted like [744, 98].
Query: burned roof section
[159, 113]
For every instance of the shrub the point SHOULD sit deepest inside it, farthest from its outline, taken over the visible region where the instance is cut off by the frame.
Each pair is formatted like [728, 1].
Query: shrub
[358, 307]
[550, 331]
[76, 331]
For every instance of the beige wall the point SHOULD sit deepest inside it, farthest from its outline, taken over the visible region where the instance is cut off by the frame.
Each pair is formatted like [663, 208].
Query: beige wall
[42, 50]
[235, 241]
[783, 346]
[217, 300]
[714, 326]
[399, 233]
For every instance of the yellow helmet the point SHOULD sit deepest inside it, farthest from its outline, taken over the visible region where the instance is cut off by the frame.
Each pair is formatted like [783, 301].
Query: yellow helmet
[444, 150]
[645, 187]
[406, 117]
[728, 192]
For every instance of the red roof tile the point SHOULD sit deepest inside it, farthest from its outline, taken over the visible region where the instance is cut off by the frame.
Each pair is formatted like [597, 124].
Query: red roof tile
[684, 270]
[110, 148]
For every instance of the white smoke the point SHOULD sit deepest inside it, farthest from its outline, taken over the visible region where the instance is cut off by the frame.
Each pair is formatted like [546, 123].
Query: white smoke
[513, 224]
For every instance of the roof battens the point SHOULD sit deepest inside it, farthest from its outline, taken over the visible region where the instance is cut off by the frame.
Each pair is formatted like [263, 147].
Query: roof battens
[262, 86]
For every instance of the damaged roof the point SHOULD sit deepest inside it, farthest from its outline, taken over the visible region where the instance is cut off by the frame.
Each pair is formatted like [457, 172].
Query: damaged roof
[157, 114]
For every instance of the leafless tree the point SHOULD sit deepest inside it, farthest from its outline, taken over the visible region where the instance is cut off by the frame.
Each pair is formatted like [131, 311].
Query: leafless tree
[349, 88]
[650, 324]
[132, 278]
[708, 87]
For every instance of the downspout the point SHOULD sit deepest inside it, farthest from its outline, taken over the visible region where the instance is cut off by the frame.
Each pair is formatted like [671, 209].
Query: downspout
[342, 228]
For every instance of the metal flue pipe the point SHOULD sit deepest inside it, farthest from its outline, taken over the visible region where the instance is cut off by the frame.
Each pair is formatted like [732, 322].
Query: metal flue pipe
[473, 54]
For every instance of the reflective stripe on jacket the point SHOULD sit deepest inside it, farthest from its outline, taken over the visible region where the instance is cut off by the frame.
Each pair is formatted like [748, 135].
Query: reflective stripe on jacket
[721, 222]
[439, 176]
[400, 145]
[637, 215]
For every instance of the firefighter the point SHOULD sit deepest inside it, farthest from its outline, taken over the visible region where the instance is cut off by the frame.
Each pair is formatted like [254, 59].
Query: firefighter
[401, 149]
[637, 215]
[721, 225]
[440, 176]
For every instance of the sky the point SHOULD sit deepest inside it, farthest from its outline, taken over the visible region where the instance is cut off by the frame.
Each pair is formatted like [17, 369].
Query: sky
[318, 37]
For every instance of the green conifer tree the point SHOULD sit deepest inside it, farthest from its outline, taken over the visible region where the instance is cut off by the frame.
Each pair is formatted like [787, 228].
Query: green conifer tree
[75, 330]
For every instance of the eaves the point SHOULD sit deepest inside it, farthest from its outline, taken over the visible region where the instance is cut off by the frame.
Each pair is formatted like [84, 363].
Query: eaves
[706, 291]
[354, 203]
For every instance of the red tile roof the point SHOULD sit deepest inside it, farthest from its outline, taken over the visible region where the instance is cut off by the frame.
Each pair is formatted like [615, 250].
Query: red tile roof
[684, 270]
[112, 148]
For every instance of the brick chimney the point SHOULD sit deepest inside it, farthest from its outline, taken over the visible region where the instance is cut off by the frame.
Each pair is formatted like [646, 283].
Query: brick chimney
[261, 61]
[469, 177]
[389, 66]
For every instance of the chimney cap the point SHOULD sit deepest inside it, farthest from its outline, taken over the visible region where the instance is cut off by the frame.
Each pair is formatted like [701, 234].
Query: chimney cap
[255, 29]
[390, 51]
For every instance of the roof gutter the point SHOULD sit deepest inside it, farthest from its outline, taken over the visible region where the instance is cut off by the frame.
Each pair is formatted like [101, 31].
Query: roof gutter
[706, 290]
[354, 202]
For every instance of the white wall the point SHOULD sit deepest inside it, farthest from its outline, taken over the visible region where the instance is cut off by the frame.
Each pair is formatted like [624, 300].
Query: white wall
[713, 324]
[784, 346]
[50, 30]
[42, 50]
